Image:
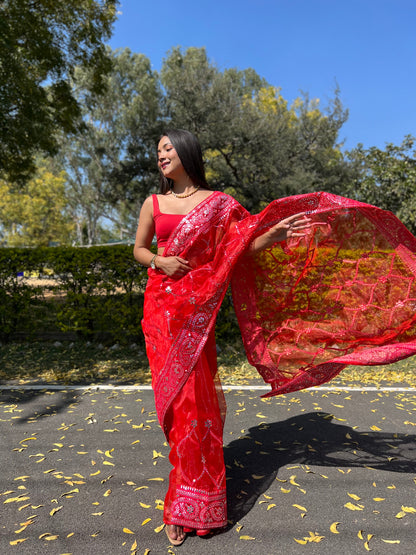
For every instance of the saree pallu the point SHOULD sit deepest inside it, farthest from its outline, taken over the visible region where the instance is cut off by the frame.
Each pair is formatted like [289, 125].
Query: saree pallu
[344, 294]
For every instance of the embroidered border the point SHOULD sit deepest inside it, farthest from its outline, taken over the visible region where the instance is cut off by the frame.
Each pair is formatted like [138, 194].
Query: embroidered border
[199, 509]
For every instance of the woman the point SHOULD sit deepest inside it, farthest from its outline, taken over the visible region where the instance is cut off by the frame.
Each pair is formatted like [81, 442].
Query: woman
[305, 310]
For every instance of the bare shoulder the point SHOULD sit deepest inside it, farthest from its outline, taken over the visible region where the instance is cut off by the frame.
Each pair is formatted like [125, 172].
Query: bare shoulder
[147, 208]
[205, 193]
[148, 203]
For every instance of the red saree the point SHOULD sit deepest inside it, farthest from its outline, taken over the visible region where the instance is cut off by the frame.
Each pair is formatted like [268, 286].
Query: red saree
[344, 295]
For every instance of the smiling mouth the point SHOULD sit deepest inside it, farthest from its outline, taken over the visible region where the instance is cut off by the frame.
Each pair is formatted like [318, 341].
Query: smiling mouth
[163, 166]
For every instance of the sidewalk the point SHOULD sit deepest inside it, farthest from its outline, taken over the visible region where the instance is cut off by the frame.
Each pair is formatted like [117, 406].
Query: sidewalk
[329, 471]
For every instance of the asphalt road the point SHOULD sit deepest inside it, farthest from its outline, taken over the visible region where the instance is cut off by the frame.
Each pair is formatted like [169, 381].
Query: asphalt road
[319, 471]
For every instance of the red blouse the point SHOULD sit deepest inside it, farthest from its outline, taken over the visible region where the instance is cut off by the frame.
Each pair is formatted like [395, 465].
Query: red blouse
[164, 223]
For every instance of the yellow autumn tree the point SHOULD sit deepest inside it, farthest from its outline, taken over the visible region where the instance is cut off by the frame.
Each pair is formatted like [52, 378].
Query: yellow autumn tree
[36, 214]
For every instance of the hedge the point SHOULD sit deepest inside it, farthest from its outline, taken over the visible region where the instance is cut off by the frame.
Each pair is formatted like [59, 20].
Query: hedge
[97, 292]
[90, 293]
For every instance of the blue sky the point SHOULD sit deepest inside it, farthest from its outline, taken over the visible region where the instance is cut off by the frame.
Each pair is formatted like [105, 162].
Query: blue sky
[368, 47]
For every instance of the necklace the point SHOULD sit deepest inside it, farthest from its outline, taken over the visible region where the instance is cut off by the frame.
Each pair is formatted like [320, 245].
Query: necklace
[184, 195]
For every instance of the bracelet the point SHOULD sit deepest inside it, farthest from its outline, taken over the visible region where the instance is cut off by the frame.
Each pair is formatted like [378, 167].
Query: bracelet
[152, 262]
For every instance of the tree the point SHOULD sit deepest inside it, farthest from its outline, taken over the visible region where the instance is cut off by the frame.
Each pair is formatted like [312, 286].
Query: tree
[111, 165]
[37, 214]
[257, 147]
[388, 178]
[41, 43]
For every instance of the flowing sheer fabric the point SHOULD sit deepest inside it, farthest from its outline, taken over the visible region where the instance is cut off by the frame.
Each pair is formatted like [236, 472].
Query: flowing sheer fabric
[347, 295]
[344, 295]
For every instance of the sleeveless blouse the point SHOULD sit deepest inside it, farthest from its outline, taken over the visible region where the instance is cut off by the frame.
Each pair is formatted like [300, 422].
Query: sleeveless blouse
[164, 223]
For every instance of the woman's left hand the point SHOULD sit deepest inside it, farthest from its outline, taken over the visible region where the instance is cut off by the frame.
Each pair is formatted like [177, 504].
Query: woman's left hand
[293, 226]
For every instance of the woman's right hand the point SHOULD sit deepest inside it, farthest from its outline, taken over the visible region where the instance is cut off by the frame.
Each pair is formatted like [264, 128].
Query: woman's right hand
[173, 266]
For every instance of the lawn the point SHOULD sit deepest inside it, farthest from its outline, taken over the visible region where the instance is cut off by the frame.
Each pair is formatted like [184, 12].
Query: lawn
[83, 362]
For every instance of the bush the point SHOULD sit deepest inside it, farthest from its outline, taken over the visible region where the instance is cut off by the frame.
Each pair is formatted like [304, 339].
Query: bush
[90, 291]
[94, 292]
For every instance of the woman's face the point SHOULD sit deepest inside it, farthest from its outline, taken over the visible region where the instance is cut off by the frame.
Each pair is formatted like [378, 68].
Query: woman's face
[168, 160]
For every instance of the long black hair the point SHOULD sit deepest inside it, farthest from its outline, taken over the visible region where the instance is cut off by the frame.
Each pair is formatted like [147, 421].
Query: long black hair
[190, 154]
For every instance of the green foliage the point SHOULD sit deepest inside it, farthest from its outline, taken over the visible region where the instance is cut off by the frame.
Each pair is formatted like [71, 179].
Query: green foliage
[36, 214]
[93, 291]
[111, 166]
[257, 148]
[388, 179]
[41, 43]
[17, 298]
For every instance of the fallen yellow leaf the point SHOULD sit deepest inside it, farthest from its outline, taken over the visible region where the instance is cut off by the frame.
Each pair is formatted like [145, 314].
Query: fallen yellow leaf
[333, 527]
[127, 531]
[353, 507]
[17, 499]
[247, 538]
[69, 493]
[159, 528]
[16, 542]
[300, 508]
[314, 538]
[408, 509]
[48, 537]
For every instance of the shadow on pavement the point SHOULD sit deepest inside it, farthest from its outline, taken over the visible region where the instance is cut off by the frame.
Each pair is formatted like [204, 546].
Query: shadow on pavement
[58, 403]
[308, 439]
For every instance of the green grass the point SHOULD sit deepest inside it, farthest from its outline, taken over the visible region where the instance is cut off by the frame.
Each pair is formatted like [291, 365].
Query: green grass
[81, 363]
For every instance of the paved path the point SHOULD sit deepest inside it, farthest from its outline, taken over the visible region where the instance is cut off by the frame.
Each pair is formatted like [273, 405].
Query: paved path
[84, 471]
